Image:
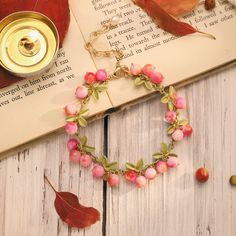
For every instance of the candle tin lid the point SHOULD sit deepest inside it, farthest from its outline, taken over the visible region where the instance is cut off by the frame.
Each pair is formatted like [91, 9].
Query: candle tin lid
[29, 42]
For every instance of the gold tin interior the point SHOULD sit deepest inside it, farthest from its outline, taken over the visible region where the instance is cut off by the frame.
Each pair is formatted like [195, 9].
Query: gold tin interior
[29, 42]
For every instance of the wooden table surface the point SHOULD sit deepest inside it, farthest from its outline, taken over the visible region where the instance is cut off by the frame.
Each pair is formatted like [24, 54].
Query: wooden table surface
[172, 205]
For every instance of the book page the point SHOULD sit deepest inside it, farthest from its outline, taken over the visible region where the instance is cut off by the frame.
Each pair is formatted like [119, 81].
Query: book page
[34, 107]
[178, 58]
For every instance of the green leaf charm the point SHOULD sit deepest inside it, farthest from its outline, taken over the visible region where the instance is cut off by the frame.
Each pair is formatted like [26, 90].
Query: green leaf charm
[165, 99]
[170, 106]
[82, 122]
[171, 91]
[131, 166]
[158, 155]
[112, 166]
[140, 164]
[83, 140]
[138, 81]
[103, 160]
[89, 149]
[71, 119]
[83, 111]
[183, 122]
[95, 94]
[171, 129]
[148, 85]
[164, 148]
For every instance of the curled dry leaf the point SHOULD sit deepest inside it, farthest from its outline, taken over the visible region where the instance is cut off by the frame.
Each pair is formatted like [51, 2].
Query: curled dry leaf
[177, 7]
[57, 10]
[166, 21]
[71, 211]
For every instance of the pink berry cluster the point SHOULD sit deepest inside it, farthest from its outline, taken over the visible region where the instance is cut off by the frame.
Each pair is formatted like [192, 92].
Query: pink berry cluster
[86, 160]
[99, 76]
[83, 92]
[90, 78]
[79, 150]
[150, 173]
[149, 71]
[137, 175]
[179, 128]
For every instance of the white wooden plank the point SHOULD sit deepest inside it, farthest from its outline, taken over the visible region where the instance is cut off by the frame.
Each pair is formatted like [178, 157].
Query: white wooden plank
[28, 202]
[175, 204]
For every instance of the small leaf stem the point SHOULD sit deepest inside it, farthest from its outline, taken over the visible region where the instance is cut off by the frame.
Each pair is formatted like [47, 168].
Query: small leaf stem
[47, 180]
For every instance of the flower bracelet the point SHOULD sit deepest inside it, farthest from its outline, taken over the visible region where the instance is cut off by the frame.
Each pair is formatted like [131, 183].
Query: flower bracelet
[95, 83]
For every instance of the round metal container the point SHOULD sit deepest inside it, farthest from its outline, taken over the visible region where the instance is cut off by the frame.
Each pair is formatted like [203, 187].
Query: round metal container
[29, 42]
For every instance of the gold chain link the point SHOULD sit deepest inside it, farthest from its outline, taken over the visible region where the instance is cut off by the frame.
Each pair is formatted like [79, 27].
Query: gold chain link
[120, 70]
[106, 27]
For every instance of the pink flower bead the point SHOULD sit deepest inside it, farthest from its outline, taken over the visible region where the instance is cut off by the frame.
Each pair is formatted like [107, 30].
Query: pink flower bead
[101, 75]
[172, 162]
[156, 77]
[71, 128]
[70, 110]
[113, 180]
[75, 156]
[141, 181]
[178, 135]
[170, 116]
[150, 173]
[148, 69]
[90, 78]
[130, 175]
[72, 144]
[81, 92]
[85, 160]
[135, 69]
[180, 103]
[161, 167]
[98, 171]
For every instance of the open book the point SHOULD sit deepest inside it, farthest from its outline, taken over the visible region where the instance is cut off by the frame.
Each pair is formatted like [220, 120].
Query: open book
[34, 107]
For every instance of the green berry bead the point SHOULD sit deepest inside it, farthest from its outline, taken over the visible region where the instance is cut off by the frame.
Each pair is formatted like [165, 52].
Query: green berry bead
[233, 180]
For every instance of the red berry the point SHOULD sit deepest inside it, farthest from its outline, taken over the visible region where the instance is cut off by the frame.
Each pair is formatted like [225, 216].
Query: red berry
[141, 181]
[161, 167]
[148, 69]
[156, 77]
[130, 175]
[202, 174]
[172, 162]
[70, 109]
[113, 180]
[180, 103]
[81, 92]
[72, 144]
[98, 171]
[150, 173]
[85, 160]
[75, 156]
[90, 78]
[187, 130]
[71, 128]
[101, 75]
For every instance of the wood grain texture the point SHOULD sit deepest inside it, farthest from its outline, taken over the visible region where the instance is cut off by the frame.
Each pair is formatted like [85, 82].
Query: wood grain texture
[27, 203]
[174, 204]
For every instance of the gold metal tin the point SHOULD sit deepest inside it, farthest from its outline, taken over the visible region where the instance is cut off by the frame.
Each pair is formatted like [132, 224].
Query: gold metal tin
[29, 42]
